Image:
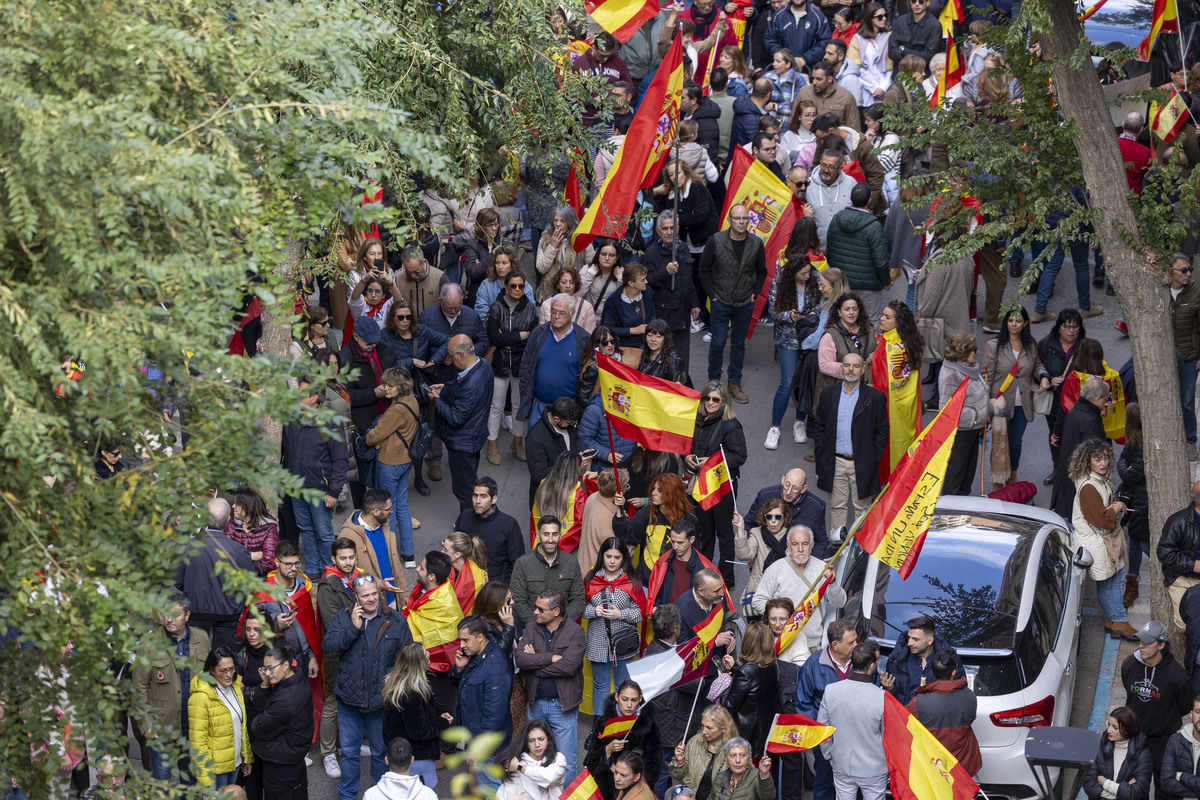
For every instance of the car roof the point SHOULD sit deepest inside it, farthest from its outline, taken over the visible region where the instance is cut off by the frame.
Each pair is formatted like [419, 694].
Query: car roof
[970, 576]
[1124, 21]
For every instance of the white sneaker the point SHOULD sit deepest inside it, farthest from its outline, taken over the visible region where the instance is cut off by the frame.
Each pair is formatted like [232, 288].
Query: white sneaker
[800, 431]
[308, 761]
[331, 766]
[698, 326]
[365, 751]
[708, 337]
[772, 442]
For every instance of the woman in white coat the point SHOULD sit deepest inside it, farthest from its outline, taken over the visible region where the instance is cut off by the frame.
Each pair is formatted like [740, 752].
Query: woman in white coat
[533, 767]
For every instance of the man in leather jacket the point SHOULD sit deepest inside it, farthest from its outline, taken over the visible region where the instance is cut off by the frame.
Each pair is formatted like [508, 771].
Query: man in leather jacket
[1177, 552]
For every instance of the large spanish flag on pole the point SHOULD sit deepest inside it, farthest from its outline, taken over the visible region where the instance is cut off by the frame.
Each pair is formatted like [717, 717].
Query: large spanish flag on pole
[919, 766]
[641, 156]
[773, 214]
[795, 733]
[892, 374]
[1164, 20]
[621, 18]
[893, 529]
[433, 618]
[803, 614]
[952, 73]
[655, 413]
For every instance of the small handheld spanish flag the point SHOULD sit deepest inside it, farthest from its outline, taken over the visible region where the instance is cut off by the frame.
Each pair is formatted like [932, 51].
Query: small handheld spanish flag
[582, 788]
[794, 733]
[618, 726]
[712, 482]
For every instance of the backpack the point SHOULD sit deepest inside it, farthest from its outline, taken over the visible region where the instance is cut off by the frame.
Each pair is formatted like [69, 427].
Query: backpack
[419, 446]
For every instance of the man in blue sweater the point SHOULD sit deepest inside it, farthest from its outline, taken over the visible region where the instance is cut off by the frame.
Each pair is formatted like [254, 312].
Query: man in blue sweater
[462, 409]
[550, 365]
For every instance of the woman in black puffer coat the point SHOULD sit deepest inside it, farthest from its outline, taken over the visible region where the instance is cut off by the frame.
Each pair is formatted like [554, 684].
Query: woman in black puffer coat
[601, 753]
[717, 428]
[1131, 466]
[510, 320]
[1122, 768]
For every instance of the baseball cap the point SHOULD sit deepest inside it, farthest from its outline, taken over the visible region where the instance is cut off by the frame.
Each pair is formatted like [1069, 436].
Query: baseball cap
[1153, 631]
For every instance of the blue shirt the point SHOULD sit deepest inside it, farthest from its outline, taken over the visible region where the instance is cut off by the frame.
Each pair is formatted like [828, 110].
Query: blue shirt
[845, 415]
[547, 689]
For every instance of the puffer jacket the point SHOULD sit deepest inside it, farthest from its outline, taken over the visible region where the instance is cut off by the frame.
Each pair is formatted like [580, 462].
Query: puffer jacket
[1180, 760]
[210, 728]
[1137, 767]
[365, 662]
[282, 724]
[593, 433]
[712, 433]
[504, 328]
[855, 245]
[1185, 321]
[1177, 546]
[462, 409]
[975, 405]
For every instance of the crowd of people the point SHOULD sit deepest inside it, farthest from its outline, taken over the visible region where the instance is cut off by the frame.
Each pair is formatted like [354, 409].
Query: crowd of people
[482, 318]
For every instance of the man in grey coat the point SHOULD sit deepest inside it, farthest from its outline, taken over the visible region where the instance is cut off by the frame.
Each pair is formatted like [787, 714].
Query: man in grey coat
[854, 707]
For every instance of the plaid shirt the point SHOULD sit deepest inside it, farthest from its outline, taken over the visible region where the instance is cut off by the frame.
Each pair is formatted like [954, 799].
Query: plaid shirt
[786, 87]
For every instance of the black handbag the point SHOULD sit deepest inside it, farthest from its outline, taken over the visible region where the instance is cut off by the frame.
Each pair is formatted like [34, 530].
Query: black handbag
[419, 446]
[624, 642]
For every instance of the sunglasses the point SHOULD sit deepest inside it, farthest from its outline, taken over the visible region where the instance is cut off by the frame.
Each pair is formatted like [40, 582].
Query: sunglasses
[1185, 270]
[606, 342]
[403, 316]
[802, 183]
[516, 286]
[364, 580]
[715, 399]
[772, 516]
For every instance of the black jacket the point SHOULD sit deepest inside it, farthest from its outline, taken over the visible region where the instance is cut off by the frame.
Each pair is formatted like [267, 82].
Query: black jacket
[1159, 695]
[1136, 766]
[697, 219]
[868, 435]
[419, 721]
[642, 736]
[712, 433]
[364, 405]
[753, 701]
[502, 538]
[436, 333]
[533, 349]
[1178, 760]
[1083, 422]
[542, 448]
[673, 299]
[504, 329]
[281, 729]
[922, 38]
[906, 666]
[1131, 466]
[1189, 609]
[669, 369]
[318, 457]
[199, 581]
[1177, 545]
[709, 135]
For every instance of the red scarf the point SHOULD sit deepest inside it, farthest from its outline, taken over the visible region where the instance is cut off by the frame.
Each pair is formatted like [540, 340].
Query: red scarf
[373, 359]
[599, 583]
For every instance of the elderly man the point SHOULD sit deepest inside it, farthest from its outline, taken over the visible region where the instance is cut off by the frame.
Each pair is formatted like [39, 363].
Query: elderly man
[807, 509]
[795, 577]
[1083, 422]
[550, 365]
[418, 282]
[213, 609]
[462, 409]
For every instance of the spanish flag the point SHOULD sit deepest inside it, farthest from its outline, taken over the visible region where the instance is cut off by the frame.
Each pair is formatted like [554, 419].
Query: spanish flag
[1164, 20]
[919, 766]
[467, 585]
[895, 525]
[656, 413]
[803, 614]
[710, 626]
[618, 726]
[1167, 121]
[573, 193]
[433, 618]
[893, 375]
[1113, 412]
[621, 18]
[952, 73]
[641, 156]
[773, 214]
[572, 518]
[582, 788]
[712, 482]
[794, 733]
[951, 14]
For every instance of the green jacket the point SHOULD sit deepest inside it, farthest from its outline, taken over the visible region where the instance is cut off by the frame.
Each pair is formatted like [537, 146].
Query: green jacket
[856, 245]
[156, 676]
[532, 575]
[1185, 321]
[695, 763]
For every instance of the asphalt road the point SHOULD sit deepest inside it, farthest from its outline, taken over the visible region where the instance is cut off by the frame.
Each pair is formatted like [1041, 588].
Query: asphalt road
[765, 467]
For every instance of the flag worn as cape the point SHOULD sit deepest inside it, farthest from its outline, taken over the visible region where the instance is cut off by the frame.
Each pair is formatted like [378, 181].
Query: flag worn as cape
[892, 374]
[468, 582]
[920, 767]
[433, 618]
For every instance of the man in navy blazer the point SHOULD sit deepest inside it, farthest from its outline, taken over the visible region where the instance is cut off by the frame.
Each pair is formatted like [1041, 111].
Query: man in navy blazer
[462, 410]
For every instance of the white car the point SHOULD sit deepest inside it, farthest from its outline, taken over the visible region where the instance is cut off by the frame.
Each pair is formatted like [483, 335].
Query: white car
[1004, 586]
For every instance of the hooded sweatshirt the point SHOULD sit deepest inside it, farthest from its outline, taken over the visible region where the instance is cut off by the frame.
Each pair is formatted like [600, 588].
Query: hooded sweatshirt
[1159, 695]
[394, 786]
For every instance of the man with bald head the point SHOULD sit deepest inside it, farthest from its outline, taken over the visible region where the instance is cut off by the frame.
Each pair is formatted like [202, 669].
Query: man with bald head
[733, 269]
[794, 577]
[462, 409]
[849, 431]
[807, 509]
[1179, 553]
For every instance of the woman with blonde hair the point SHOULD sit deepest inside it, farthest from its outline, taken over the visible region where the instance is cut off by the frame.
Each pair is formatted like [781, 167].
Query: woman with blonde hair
[718, 430]
[1096, 516]
[411, 710]
[561, 494]
[468, 567]
[753, 693]
[699, 764]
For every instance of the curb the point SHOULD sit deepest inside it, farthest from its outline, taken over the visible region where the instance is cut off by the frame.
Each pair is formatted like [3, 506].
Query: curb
[1104, 679]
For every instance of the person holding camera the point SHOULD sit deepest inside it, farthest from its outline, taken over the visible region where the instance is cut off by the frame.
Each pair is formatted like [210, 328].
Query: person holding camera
[794, 305]
[615, 607]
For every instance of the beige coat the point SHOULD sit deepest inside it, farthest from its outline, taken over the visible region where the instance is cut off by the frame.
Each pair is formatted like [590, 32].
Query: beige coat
[1028, 376]
[753, 550]
[944, 292]
[368, 559]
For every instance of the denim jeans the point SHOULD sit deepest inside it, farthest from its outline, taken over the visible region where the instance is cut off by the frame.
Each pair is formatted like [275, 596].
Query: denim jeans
[788, 360]
[1109, 592]
[1187, 396]
[1137, 549]
[352, 723]
[602, 673]
[393, 479]
[224, 779]
[823, 777]
[664, 775]
[565, 735]
[316, 529]
[1016, 430]
[426, 770]
[1083, 280]
[160, 768]
[725, 322]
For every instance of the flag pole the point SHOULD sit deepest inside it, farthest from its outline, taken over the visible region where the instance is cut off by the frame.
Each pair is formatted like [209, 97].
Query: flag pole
[696, 699]
[732, 488]
[613, 452]
[675, 176]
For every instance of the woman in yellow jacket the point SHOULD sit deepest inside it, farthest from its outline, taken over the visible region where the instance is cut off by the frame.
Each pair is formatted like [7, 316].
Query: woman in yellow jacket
[217, 725]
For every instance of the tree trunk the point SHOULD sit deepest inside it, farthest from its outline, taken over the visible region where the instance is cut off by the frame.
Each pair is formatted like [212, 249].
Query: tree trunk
[1137, 275]
[277, 339]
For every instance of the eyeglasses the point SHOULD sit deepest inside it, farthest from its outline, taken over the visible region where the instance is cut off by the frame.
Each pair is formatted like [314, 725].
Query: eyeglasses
[772, 516]
[554, 312]
[1184, 270]
[1072, 325]
[226, 671]
[364, 580]
[403, 316]
[288, 563]
[269, 668]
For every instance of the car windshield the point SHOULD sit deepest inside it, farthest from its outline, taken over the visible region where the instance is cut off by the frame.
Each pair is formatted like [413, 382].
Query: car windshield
[969, 578]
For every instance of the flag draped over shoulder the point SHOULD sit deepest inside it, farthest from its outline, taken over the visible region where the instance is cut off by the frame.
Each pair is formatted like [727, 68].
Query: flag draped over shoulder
[467, 584]
[794, 733]
[572, 518]
[803, 613]
[895, 525]
[640, 157]
[433, 618]
[892, 374]
[712, 482]
[919, 766]
[952, 73]
[660, 571]
[621, 18]
[1113, 410]
[1166, 121]
[773, 214]
[656, 413]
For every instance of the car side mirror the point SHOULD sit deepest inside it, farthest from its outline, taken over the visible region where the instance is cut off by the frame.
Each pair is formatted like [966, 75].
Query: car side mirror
[1083, 558]
[837, 535]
